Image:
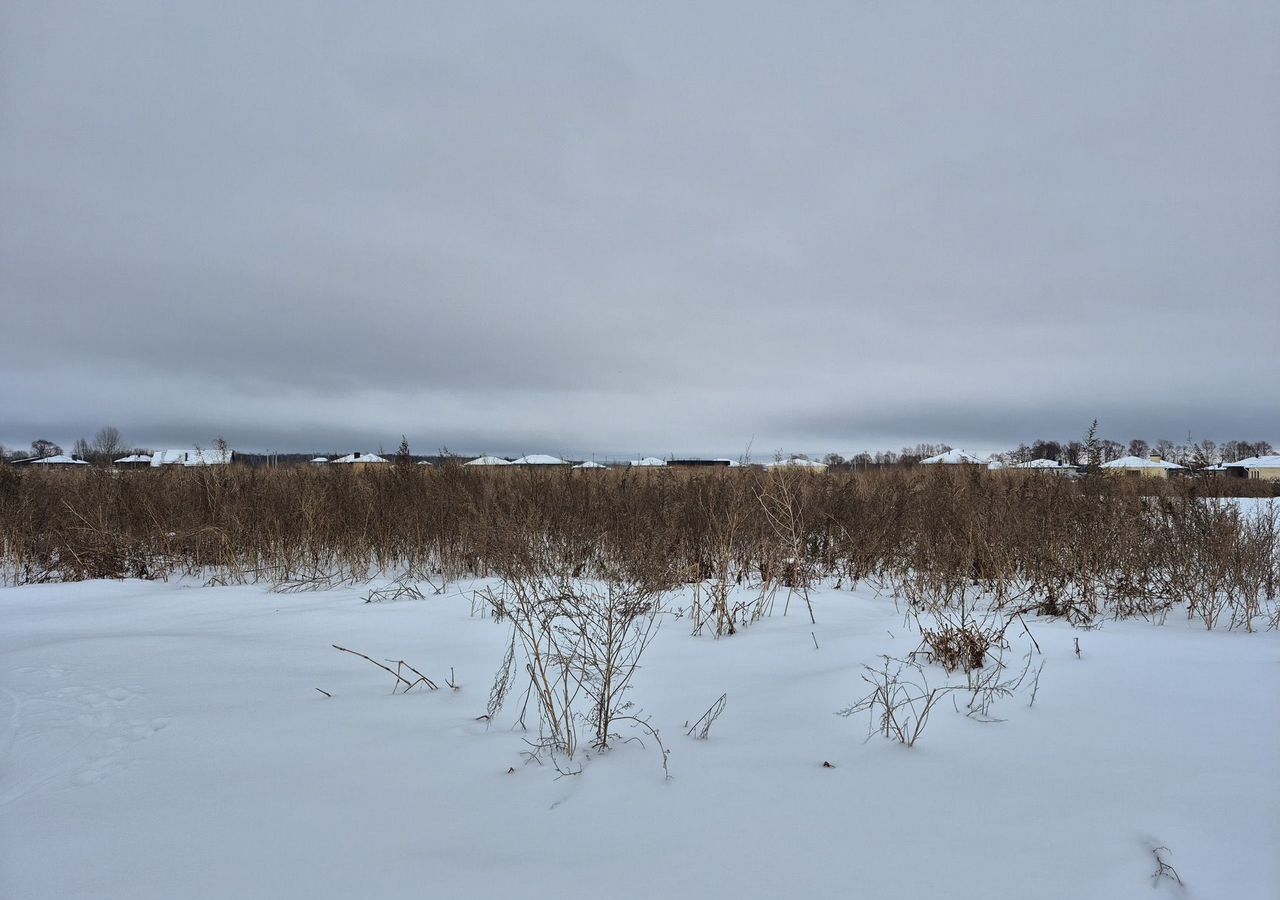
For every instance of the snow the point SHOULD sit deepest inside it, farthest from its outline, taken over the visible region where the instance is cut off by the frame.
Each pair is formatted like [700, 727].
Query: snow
[197, 456]
[1256, 462]
[59, 460]
[953, 458]
[359, 458]
[1042, 464]
[590, 464]
[207, 457]
[647, 462]
[319, 460]
[796, 462]
[1138, 462]
[539, 459]
[168, 740]
[488, 461]
[137, 458]
[168, 458]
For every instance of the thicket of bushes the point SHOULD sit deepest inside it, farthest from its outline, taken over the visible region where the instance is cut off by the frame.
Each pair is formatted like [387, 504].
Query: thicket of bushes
[1029, 541]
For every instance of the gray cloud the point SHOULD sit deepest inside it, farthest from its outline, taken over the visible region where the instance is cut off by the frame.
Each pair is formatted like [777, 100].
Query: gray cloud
[671, 229]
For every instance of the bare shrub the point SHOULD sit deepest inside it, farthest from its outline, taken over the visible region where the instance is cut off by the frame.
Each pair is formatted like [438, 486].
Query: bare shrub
[900, 700]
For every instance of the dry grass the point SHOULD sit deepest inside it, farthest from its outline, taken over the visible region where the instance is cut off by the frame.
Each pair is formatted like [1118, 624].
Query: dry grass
[1022, 542]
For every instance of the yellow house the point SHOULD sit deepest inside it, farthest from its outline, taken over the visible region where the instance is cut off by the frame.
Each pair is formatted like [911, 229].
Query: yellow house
[1154, 467]
[1264, 468]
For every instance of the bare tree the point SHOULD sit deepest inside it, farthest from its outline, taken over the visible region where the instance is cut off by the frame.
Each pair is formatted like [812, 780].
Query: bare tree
[42, 449]
[108, 445]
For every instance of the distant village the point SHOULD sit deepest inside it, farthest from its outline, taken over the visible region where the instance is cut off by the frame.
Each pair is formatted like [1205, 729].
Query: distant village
[1233, 459]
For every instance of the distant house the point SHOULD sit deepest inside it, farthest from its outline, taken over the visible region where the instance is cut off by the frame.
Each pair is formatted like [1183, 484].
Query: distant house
[649, 462]
[190, 458]
[1140, 467]
[539, 459]
[320, 461]
[359, 460]
[1265, 468]
[168, 458]
[488, 461]
[1048, 466]
[953, 458]
[60, 461]
[423, 462]
[699, 463]
[797, 462]
[591, 464]
[211, 457]
[133, 461]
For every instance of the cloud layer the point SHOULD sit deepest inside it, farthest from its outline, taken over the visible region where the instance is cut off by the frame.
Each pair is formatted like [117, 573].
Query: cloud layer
[638, 230]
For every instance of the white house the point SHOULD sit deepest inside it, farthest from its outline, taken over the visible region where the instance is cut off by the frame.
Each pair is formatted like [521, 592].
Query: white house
[590, 464]
[320, 461]
[649, 462]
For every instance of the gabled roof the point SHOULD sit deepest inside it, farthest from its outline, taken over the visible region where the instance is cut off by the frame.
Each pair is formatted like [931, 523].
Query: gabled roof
[488, 461]
[1271, 461]
[539, 459]
[1042, 464]
[1137, 462]
[423, 462]
[590, 464]
[60, 460]
[648, 461]
[360, 458]
[953, 458]
[137, 458]
[320, 459]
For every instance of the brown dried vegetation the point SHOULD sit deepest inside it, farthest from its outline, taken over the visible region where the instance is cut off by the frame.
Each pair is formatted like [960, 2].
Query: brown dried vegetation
[1025, 543]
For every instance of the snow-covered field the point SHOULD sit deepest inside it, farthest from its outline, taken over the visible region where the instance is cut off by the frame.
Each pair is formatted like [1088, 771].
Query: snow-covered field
[168, 741]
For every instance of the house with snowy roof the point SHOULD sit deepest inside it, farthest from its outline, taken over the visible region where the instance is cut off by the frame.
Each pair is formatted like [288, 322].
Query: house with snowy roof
[539, 459]
[649, 462]
[486, 461]
[1263, 468]
[359, 460]
[797, 462]
[60, 461]
[1046, 466]
[1141, 467]
[133, 461]
[953, 458]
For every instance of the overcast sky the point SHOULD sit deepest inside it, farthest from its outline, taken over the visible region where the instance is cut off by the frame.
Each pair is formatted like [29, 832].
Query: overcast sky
[631, 229]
